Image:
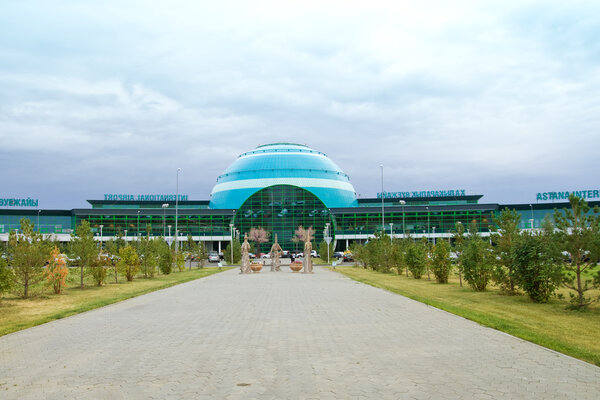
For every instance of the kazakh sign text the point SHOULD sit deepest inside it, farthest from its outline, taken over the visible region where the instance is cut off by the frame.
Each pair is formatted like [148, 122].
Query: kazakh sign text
[423, 193]
[145, 197]
[28, 202]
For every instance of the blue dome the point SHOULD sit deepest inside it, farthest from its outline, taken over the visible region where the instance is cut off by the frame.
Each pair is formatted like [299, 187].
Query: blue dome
[283, 164]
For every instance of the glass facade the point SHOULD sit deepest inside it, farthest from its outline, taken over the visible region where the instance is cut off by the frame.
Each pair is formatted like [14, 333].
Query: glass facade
[195, 225]
[280, 210]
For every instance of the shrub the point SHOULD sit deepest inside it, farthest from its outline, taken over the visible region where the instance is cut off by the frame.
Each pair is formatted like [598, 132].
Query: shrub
[99, 269]
[165, 260]
[129, 264]
[56, 272]
[416, 259]
[6, 277]
[477, 263]
[440, 262]
[28, 252]
[537, 266]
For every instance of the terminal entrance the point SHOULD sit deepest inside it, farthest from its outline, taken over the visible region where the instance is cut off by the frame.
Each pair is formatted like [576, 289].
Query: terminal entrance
[280, 209]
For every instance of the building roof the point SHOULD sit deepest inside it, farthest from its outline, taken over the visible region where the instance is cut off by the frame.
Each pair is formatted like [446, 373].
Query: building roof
[283, 164]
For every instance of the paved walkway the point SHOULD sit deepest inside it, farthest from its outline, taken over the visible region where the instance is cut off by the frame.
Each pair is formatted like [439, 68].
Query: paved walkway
[281, 336]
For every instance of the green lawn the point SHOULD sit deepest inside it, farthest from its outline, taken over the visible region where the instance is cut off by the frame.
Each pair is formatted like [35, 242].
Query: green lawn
[576, 333]
[17, 314]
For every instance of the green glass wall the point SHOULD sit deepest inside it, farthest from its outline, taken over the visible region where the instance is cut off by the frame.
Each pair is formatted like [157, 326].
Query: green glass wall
[280, 210]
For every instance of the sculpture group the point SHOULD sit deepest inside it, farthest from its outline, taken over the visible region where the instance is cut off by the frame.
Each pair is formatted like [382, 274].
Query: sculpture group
[304, 235]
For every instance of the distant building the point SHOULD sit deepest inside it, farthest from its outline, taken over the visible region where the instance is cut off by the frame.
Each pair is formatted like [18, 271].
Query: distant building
[279, 186]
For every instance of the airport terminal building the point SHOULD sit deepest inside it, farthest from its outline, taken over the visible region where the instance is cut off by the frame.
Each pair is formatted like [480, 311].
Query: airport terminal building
[278, 187]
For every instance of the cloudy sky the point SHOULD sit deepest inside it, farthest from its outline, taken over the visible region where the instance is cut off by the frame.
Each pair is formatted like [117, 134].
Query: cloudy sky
[500, 98]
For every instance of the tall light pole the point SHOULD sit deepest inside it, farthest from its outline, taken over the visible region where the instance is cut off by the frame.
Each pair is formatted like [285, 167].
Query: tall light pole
[38, 222]
[101, 226]
[382, 206]
[231, 245]
[164, 207]
[327, 239]
[138, 223]
[391, 232]
[125, 237]
[427, 208]
[176, 207]
[433, 227]
[169, 241]
[403, 203]
[531, 205]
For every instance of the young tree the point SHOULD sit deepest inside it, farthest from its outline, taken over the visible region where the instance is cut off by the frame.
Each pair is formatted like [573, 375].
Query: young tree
[192, 248]
[202, 254]
[258, 236]
[237, 252]
[537, 263]
[56, 272]
[179, 261]
[416, 259]
[129, 264]
[6, 277]
[99, 268]
[440, 261]
[577, 235]
[459, 245]
[165, 258]
[504, 237]
[147, 254]
[477, 262]
[83, 247]
[323, 250]
[28, 252]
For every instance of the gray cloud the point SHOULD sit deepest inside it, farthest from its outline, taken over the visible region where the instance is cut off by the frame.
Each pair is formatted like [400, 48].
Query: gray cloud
[498, 98]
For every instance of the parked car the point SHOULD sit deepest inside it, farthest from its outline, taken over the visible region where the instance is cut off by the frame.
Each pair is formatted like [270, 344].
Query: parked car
[338, 254]
[213, 256]
[348, 256]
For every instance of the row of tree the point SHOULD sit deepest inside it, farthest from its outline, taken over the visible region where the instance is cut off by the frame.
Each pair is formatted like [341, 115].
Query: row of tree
[565, 251]
[30, 258]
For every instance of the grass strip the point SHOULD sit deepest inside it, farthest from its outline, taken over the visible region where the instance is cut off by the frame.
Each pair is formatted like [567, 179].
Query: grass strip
[17, 314]
[575, 333]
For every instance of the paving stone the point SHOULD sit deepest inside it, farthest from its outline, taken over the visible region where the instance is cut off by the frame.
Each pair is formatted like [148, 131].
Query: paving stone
[281, 335]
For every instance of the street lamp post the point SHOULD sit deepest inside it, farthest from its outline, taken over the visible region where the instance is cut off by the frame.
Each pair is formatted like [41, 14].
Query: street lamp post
[38, 221]
[231, 244]
[101, 226]
[169, 241]
[531, 205]
[138, 223]
[427, 208]
[391, 231]
[382, 198]
[433, 227]
[125, 237]
[403, 203]
[176, 207]
[327, 239]
[164, 207]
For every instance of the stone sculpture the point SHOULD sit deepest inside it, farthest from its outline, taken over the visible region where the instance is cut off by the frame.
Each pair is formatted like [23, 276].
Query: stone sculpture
[245, 267]
[275, 256]
[308, 265]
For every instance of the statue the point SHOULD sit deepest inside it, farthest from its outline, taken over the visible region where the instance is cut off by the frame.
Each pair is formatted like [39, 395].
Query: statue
[275, 255]
[245, 267]
[308, 265]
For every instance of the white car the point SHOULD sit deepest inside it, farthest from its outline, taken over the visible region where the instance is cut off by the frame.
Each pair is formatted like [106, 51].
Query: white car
[213, 256]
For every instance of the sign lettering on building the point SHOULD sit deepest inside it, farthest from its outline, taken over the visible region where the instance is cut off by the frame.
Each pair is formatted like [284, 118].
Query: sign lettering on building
[585, 194]
[28, 202]
[145, 197]
[423, 193]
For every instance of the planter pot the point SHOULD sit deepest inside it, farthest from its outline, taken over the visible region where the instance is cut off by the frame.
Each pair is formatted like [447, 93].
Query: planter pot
[296, 266]
[256, 267]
